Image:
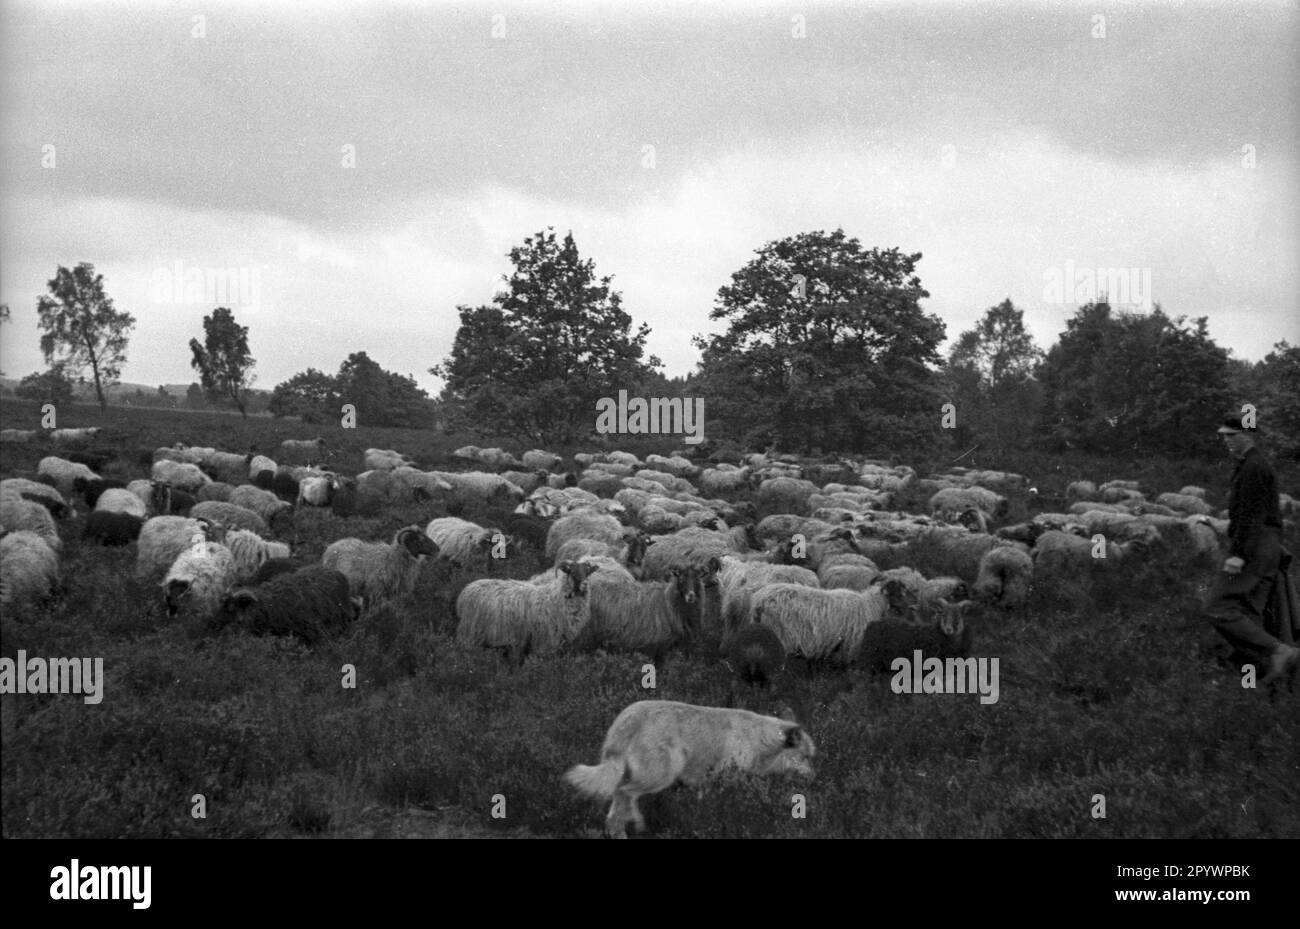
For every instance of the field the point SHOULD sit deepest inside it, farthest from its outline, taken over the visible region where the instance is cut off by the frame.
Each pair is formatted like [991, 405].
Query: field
[1114, 689]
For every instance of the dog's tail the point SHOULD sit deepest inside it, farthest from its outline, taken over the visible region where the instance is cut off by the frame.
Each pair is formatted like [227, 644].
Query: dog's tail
[598, 780]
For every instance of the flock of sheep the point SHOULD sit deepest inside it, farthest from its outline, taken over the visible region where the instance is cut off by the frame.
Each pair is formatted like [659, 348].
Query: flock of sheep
[647, 557]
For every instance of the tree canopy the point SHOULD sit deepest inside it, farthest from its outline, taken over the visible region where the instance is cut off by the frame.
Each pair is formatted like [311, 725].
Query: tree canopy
[81, 329]
[223, 361]
[991, 378]
[381, 398]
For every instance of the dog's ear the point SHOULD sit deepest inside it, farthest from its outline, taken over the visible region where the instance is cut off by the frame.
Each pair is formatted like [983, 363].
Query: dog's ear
[794, 737]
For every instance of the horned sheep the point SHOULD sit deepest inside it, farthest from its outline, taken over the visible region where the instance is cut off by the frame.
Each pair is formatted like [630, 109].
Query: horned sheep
[819, 624]
[377, 571]
[463, 543]
[650, 617]
[524, 618]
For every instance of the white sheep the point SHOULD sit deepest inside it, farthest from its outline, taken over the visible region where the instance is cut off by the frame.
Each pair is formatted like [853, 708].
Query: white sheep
[739, 580]
[163, 538]
[463, 543]
[250, 551]
[651, 617]
[29, 570]
[624, 458]
[302, 451]
[17, 435]
[74, 436]
[819, 624]
[383, 459]
[198, 580]
[481, 486]
[583, 525]
[538, 460]
[276, 513]
[258, 464]
[186, 477]
[117, 500]
[692, 547]
[958, 500]
[653, 744]
[19, 515]
[1006, 574]
[1081, 490]
[524, 618]
[378, 571]
[1188, 504]
[316, 490]
[49, 497]
[230, 516]
[64, 473]
[1063, 554]
[786, 494]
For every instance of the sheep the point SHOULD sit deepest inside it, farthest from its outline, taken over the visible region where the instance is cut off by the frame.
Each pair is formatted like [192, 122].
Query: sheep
[927, 591]
[811, 551]
[230, 516]
[250, 552]
[316, 491]
[528, 530]
[600, 483]
[29, 571]
[819, 624]
[186, 477]
[653, 744]
[960, 499]
[1120, 525]
[538, 460]
[754, 654]
[890, 639]
[198, 580]
[344, 500]
[105, 528]
[781, 526]
[624, 458]
[383, 459]
[674, 465]
[162, 538]
[36, 492]
[74, 436]
[217, 490]
[583, 525]
[95, 461]
[463, 543]
[785, 495]
[480, 486]
[19, 515]
[578, 549]
[498, 458]
[523, 618]
[1187, 504]
[17, 435]
[1062, 554]
[274, 567]
[115, 500]
[164, 499]
[1288, 505]
[276, 513]
[527, 481]
[258, 464]
[311, 603]
[739, 580]
[1005, 575]
[302, 451]
[716, 481]
[377, 571]
[649, 617]
[65, 473]
[689, 548]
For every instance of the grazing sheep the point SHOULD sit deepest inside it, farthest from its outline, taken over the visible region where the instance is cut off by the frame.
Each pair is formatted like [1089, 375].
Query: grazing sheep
[258, 464]
[754, 654]
[95, 461]
[479, 486]
[847, 571]
[250, 552]
[649, 617]
[715, 481]
[383, 459]
[64, 473]
[112, 528]
[118, 500]
[692, 547]
[463, 543]
[529, 530]
[217, 490]
[316, 491]
[1005, 575]
[624, 458]
[1191, 490]
[817, 624]
[890, 639]
[230, 516]
[276, 513]
[345, 499]
[527, 481]
[655, 743]
[523, 618]
[739, 580]
[74, 436]
[91, 489]
[186, 477]
[36, 492]
[786, 495]
[198, 580]
[538, 460]
[583, 525]
[498, 458]
[163, 538]
[229, 467]
[29, 571]
[1187, 504]
[1081, 490]
[377, 571]
[1062, 554]
[165, 499]
[274, 567]
[20, 515]
[957, 500]
[600, 483]
[311, 603]
[302, 451]
[17, 435]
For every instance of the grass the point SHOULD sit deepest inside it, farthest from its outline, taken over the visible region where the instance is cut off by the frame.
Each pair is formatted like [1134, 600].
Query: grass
[1108, 686]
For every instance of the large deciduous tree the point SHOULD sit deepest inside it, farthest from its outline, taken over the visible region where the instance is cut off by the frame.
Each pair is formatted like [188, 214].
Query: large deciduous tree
[990, 374]
[81, 329]
[827, 348]
[552, 343]
[223, 361]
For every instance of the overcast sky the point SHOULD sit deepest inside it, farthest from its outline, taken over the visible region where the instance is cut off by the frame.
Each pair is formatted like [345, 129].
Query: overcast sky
[1005, 142]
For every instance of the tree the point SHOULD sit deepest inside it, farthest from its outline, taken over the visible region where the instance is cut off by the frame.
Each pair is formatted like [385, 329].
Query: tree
[382, 398]
[990, 374]
[309, 395]
[1132, 382]
[52, 386]
[826, 348]
[194, 398]
[552, 343]
[223, 360]
[1274, 389]
[82, 329]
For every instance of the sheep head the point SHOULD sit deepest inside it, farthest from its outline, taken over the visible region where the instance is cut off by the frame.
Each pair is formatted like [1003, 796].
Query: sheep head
[416, 542]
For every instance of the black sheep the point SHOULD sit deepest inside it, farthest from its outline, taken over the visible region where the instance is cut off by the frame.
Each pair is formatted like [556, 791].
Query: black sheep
[107, 528]
[344, 500]
[285, 486]
[530, 530]
[91, 490]
[755, 654]
[274, 567]
[94, 459]
[891, 638]
[310, 603]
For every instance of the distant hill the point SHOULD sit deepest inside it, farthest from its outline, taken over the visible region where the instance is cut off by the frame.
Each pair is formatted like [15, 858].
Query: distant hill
[119, 391]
